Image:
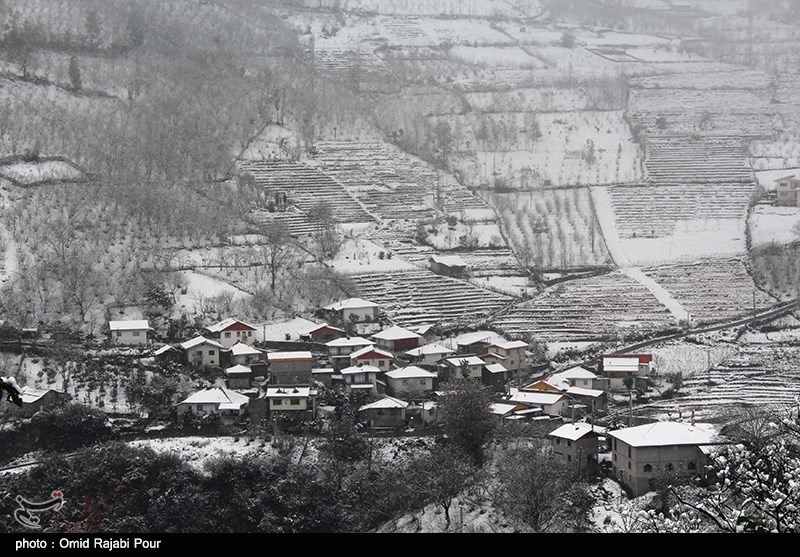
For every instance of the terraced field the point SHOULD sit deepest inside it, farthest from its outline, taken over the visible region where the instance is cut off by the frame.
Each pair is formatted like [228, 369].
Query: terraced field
[600, 308]
[697, 159]
[655, 211]
[305, 187]
[713, 289]
[296, 221]
[422, 297]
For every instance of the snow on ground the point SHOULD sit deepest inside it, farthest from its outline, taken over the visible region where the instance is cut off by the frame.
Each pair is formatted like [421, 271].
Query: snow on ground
[554, 348]
[466, 516]
[362, 256]
[612, 510]
[773, 224]
[766, 178]
[605, 218]
[515, 286]
[8, 255]
[30, 173]
[198, 451]
[692, 240]
[495, 56]
[752, 337]
[279, 330]
[450, 237]
[666, 299]
[202, 286]
[275, 142]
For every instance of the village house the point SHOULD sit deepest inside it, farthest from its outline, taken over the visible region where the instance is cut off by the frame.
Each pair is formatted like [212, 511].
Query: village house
[244, 354]
[511, 354]
[228, 405]
[129, 333]
[230, 331]
[323, 333]
[429, 355]
[372, 356]
[643, 454]
[351, 310]
[448, 265]
[581, 377]
[495, 376]
[168, 354]
[397, 339]
[787, 190]
[361, 378]
[617, 367]
[290, 368]
[578, 445]
[427, 332]
[323, 374]
[34, 400]
[239, 377]
[387, 412]
[502, 411]
[477, 342]
[339, 350]
[294, 403]
[583, 400]
[467, 367]
[202, 352]
[410, 382]
[551, 403]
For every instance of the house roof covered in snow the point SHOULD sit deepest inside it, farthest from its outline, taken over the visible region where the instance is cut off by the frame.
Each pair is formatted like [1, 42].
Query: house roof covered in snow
[242, 349]
[410, 372]
[664, 434]
[217, 395]
[197, 341]
[478, 336]
[430, 349]
[359, 369]
[350, 303]
[278, 330]
[577, 430]
[470, 360]
[538, 397]
[317, 328]
[496, 368]
[385, 403]
[395, 333]
[449, 260]
[30, 395]
[510, 344]
[164, 349]
[225, 323]
[579, 391]
[501, 409]
[322, 371]
[238, 370]
[300, 355]
[129, 325]
[577, 373]
[351, 341]
[368, 349]
[279, 392]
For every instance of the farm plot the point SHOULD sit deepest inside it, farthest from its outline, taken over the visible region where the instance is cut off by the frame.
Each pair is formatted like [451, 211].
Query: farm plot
[604, 308]
[763, 376]
[552, 229]
[774, 224]
[422, 297]
[305, 187]
[694, 160]
[558, 148]
[712, 290]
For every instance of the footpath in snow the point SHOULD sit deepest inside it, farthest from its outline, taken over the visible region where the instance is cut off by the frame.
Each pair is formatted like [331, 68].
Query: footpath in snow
[605, 218]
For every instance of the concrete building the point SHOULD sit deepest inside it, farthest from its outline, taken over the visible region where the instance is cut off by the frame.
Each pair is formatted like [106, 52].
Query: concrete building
[201, 352]
[495, 376]
[578, 444]
[244, 354]
[351, 309]
[290, 368]
[230, 331]
[388, 412]
[469, 367]
[429, 355]
[550, 403]
[787, 190]
[448, 265]
[323, 333]
[511, 354]
[643, 454]
[616, 367]
[129, 333]
[239, 377]
[397, 339]
[229, 405]
[372, 356]
[410, 382]
[361, 378]
[294, 403]
[339, 350]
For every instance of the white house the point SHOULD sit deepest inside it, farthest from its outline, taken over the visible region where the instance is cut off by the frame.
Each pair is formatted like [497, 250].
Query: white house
[619, 366]
[397, 339]
[238, 377]
[369, 355]
[387, 412]
[296, 402]
[230, 331]
[410, 381]
[230, 405]
[361, 378]
[429, 355]
[510, 353]
[245, 354]
[577, 444]
[551, 403]
[201, 351]
[340, 349]
[132, 332]
[470, 367]
[345, 311]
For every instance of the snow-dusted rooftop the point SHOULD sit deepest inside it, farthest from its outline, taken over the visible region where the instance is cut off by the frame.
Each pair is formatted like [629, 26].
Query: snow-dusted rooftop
[352, 341]
[501, 409]
[279, 329]
[217, 395]
[470, 360]
[575, 431]
[395, 333]
[478, 336]
[316, 328]
[238, 370]
[130, 325]
[225, 323]
[368, 349]
[578, 391]
[384, 403]
[664, 434]
[350, 303]
[429, 349]
[449, 260]
[301, 355]
[164, 349]
[197, 341]
[242, 349]
[30, 395]
[577, 373]
[359, 369]
[496, 368]
[539, 397]
[510, 344]
[278, 392]
[410, 372]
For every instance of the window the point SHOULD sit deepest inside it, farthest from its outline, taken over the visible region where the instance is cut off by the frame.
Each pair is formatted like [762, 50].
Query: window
[691, 466]
[136, 333]
[558, 441]
[366, 378]
[648, 468]
[211, 352]
[119, 333]
[569, 458]
[295, 402]
[405, 382]
[199, 355]
[277, 401]
[569, 443]
[249, 333]
[669, 467]
[238, 333]
[422, 382]
[380, 411]
[227, 334]
[199, 407]
[381, 363]
[629, 465]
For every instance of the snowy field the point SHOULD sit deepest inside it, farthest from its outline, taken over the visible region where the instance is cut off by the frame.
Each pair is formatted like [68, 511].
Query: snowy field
[774, 224]
[200, 287]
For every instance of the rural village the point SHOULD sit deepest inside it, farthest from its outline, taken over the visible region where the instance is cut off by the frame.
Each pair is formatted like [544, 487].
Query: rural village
[401, 265]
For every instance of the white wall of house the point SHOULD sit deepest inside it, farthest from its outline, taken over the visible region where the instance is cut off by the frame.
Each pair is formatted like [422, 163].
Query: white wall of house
[204, 355]
[288, 403]
[411, 385]
[129, 338]
[229, 338]
[639, 467]
[363, 314]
